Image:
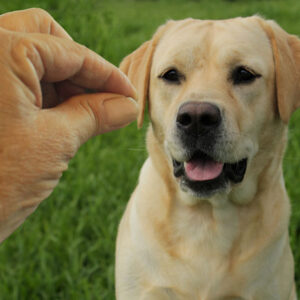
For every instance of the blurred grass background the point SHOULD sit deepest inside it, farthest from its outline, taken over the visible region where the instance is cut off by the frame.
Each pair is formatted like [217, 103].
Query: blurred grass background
[65, 250]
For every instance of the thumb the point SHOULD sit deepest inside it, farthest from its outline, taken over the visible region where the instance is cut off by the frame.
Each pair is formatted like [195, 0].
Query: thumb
[87, 115]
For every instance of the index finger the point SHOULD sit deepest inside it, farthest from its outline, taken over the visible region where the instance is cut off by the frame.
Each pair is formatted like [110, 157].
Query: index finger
[32, 20]
[53, 59]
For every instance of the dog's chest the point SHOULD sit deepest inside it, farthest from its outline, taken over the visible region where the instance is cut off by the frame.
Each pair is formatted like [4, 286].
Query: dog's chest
[204, 261]
[206, 268]
[204, 277]
[197, 259]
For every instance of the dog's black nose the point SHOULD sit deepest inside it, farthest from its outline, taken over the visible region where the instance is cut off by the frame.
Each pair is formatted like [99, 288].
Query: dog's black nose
[196, 117]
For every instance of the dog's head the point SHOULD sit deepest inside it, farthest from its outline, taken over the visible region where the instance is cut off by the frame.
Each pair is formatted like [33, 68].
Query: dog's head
[220, 94]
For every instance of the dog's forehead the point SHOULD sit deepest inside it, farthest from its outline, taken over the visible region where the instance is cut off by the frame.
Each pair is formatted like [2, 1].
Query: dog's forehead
[223, 41]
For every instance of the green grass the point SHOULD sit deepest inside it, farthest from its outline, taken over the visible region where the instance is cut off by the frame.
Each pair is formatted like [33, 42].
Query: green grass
[65, 250]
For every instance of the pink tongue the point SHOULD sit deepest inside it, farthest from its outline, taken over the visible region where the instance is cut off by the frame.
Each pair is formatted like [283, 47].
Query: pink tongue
[199, 170]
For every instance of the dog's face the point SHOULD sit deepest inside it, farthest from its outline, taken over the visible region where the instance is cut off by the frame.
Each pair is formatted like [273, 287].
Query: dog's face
[213, 106]
[211, 91]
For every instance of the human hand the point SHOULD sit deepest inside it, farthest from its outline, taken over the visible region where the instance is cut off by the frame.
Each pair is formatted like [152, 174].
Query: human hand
[45, 114]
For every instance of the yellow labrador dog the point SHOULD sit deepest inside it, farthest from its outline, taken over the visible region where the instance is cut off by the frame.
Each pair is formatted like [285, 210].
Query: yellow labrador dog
[209, 217]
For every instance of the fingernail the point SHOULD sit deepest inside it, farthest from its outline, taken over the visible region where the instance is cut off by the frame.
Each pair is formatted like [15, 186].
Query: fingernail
[119, 112]
[135, 95]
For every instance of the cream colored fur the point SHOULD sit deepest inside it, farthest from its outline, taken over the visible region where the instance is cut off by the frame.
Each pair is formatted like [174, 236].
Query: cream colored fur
[235, 244]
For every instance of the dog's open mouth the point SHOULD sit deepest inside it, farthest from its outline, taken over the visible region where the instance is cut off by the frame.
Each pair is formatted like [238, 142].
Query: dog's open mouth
[204, 175]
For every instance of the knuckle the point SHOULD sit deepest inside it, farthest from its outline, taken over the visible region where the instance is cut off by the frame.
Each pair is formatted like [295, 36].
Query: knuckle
[87, 106]
[44, 19]
[21, 46]
[39, 12]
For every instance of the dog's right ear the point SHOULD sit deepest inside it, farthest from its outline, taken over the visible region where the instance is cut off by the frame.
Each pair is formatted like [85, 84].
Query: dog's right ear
[137, 66]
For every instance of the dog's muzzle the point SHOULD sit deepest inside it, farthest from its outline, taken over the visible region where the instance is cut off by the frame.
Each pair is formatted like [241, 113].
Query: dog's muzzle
[199, 129]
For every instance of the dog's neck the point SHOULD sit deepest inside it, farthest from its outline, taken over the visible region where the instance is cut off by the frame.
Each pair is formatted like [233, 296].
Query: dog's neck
[245, 218]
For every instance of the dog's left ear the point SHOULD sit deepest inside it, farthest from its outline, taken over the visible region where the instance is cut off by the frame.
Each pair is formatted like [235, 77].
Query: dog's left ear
[286, 53]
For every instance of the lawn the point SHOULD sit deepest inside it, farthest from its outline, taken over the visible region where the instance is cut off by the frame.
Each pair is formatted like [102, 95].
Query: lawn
[65, 250]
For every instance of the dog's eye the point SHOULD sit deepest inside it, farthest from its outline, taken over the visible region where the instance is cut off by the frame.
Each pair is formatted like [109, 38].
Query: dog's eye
[241, 75]
[172, 76]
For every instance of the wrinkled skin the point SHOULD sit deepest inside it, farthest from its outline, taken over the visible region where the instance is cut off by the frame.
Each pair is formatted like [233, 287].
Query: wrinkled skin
[42, 67]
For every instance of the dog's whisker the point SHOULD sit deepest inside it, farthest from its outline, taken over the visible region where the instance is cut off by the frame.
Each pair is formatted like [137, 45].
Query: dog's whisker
[137, 149]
